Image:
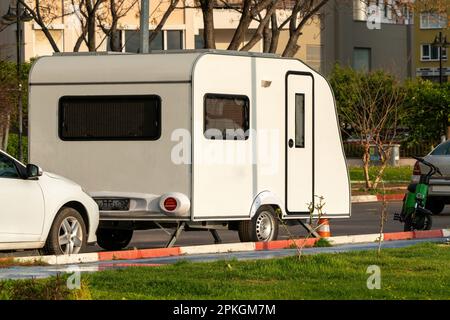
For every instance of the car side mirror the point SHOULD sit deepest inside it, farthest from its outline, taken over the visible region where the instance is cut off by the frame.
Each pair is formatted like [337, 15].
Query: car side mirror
[33, 171]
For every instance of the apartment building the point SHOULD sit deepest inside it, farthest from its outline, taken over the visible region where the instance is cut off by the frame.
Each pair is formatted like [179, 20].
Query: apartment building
[428, 26]
[368, 37]
[183, 30]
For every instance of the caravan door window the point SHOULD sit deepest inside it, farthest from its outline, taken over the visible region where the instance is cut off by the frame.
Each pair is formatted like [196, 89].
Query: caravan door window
[299, 120]
[110, 118]
[226, 117]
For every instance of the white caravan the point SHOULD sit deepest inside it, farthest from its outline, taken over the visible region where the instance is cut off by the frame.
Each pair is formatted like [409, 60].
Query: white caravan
[202, 139]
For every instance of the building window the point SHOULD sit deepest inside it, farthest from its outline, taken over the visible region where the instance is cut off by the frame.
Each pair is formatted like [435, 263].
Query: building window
[226, 117]
[158, 42]
[174, 39]
[429, 52]
[132, 41]
[299, 120]
[164, 40]
[199, 43]
[110, 118]
[432, 20]
[314, 56]
[362, 59]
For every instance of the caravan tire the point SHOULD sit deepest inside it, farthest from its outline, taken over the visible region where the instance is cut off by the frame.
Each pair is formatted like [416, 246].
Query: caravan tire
[114, 239]
[262, 227]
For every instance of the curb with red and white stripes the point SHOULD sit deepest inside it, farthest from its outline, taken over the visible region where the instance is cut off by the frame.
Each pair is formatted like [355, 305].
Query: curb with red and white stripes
[378, 197]
[226, 248]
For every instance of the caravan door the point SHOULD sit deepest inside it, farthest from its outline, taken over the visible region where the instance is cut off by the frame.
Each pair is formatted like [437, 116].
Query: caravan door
[299, 143]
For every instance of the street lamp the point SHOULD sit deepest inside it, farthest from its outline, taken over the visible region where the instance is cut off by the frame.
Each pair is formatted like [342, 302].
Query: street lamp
[19, 16]
[441, 42]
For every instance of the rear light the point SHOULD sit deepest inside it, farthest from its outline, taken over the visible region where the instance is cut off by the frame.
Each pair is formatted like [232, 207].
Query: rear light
[170, 204]
[416, 170]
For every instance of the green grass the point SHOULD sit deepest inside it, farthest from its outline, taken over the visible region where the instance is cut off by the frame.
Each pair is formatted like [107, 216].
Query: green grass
[390, 174]
[418, 272]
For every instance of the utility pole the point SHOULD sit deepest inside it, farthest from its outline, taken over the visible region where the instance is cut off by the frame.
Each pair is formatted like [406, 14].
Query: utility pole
[144, 34]
[19, 82]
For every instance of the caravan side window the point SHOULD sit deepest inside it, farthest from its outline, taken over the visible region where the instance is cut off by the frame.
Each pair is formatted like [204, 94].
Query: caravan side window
[226, 117]
[110, 118]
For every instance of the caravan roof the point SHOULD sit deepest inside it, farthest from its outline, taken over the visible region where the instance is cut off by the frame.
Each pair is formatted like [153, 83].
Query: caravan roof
[163, 66]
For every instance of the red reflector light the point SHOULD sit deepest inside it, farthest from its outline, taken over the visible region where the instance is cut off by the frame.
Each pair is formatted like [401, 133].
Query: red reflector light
[416, 170]
[170, 204]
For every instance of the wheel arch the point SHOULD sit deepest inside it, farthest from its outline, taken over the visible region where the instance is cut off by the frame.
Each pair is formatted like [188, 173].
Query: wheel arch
[266, 198]
[81, 210]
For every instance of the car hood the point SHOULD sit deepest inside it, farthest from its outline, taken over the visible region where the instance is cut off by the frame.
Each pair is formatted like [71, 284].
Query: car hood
[58, 177]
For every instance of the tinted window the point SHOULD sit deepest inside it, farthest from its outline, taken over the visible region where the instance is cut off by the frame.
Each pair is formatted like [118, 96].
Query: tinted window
[226, 117]
[174, 39]
[299, 120]
[442, 149]
[110, 118]
[158, 42]
[132, 42]
[7, 167]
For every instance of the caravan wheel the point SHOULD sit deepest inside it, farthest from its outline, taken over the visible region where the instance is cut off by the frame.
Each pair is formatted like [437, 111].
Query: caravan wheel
[113, 239]
[263, 226]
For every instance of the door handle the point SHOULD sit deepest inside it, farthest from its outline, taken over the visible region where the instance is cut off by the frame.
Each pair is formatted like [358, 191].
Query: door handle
[291, 143]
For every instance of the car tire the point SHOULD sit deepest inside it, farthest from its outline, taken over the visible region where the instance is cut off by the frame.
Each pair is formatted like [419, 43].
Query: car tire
[67, 234]
[114, 239]
[435, 205]
[262, 227]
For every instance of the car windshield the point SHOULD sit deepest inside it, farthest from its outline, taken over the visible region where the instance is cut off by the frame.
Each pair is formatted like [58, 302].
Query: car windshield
[7, 167]
[442, 149]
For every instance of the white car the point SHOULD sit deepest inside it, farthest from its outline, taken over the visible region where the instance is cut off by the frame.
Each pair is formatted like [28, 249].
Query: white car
[43, 211]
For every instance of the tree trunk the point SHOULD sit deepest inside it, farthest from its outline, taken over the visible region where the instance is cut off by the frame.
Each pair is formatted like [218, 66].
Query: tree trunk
[385, 156]
[208, 24]
[292, 47]
[275, 34]
[366, 161]
[91, 25]
[267, 38]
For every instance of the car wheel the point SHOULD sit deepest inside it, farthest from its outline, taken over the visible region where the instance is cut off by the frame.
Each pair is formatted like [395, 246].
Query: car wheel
[435, 205]
[114, 239]
[262, 227]
[67, 234]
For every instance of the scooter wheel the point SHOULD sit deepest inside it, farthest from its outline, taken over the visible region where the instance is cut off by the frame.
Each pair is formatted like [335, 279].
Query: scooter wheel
[422, 222]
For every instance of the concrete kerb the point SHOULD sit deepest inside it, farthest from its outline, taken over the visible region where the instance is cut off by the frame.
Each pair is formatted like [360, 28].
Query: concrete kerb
[378, 197]
[226, 248]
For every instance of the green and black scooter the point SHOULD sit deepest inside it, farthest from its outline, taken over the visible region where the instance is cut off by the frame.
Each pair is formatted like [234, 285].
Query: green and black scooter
[414, 214]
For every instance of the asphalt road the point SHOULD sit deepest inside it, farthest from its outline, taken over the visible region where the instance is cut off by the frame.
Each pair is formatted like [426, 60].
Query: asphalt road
[365, 219]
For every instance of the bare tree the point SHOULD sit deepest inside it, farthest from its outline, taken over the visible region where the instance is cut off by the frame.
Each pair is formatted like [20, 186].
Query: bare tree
[302, 12]
[87, 11]
[371, 105]
[173, 4]
[108, 20]
[44, 12]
